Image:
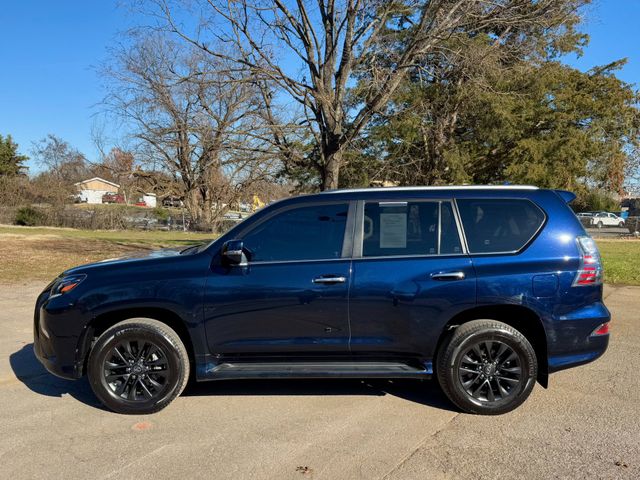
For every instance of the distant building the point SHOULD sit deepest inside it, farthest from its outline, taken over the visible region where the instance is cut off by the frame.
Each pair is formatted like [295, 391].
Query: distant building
[150, 199]
[92, 190]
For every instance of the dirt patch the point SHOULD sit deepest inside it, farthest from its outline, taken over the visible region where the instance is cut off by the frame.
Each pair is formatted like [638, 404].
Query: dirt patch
[42, 257]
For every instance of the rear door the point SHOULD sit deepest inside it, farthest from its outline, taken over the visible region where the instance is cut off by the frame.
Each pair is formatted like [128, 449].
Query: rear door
[411, 274]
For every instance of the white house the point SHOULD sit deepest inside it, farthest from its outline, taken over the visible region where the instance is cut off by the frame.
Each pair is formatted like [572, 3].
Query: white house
[92, 190]
[150, 199]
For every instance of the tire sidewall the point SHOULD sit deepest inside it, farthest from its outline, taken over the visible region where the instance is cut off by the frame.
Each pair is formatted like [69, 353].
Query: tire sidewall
[103, 347]
[527, 364]
[451, 357]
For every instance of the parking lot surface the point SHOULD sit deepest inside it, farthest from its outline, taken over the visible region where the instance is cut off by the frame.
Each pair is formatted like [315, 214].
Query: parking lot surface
[587, 425]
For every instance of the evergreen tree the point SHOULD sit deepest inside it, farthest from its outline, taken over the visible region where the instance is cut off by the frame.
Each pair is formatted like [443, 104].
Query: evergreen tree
[11, 162]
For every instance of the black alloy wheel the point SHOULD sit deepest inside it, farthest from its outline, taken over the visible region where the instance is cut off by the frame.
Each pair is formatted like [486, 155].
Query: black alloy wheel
[136, 369]
[138, 366]
[487, 367]
[490, 371]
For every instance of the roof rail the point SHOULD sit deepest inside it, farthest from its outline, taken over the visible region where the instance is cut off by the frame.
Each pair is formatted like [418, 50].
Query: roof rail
[444, 187]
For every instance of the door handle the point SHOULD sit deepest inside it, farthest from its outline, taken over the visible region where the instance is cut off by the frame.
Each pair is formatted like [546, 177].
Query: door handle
[448, 276]
[329, 280]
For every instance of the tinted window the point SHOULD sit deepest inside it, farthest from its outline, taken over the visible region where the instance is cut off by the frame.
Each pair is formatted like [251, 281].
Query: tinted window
[499, 225]
[408, 228]
[307, 233]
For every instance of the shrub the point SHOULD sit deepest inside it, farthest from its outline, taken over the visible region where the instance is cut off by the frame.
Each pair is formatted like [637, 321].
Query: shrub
[162, 214]
[29, 217]
[595, 201]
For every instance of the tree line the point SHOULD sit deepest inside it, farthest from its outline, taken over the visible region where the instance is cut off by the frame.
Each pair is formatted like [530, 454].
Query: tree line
[222, 96]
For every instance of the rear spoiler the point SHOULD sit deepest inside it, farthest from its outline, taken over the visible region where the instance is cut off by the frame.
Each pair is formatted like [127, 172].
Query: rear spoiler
[566, 195]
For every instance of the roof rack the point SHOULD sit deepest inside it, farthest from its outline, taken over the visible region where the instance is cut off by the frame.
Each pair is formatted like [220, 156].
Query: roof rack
[444, 187]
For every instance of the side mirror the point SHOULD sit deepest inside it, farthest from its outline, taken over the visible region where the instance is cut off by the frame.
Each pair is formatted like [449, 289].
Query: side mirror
[233, 253]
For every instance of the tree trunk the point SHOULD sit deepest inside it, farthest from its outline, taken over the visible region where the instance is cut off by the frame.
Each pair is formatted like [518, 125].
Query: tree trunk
[331, 170]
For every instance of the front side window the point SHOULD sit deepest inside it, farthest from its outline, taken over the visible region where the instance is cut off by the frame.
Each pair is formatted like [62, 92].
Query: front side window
[307, 233]
[499, 225]
[409, 228]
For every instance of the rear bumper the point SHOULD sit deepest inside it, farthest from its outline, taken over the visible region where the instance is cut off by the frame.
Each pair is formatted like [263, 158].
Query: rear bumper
[571, 343]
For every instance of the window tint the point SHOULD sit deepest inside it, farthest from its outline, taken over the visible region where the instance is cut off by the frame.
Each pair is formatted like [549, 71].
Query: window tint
[307, 233]
[408, 228]
[449, 238]
[497, 225]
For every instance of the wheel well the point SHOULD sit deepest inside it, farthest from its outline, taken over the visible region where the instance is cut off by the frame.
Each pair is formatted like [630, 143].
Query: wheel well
[521, 318]
[102, 322]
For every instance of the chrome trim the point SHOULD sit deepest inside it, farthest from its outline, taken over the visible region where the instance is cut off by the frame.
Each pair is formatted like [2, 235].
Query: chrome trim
[329, 280]
[448, 276]
[439, 240]
[317, 260]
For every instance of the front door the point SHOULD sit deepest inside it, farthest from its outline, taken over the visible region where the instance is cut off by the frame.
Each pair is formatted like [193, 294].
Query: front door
[410, 276]
[292, 297]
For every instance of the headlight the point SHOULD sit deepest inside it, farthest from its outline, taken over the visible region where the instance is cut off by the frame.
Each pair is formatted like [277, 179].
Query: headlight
[66, 284]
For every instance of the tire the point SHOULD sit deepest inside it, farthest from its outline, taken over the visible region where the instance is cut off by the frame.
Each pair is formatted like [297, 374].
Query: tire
[599, 225]
[481, 383]
[138, 366]
[621, 224]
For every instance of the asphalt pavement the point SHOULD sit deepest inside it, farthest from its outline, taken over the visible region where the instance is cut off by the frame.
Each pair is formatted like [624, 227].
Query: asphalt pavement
[586, 425]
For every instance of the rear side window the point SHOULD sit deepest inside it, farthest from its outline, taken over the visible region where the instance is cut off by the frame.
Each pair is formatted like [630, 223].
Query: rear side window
[409, 228]
[499, 225]
[307, 233]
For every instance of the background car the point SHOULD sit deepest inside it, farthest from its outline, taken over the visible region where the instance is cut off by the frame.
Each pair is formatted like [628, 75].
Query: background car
[605, 219]
[112, 198]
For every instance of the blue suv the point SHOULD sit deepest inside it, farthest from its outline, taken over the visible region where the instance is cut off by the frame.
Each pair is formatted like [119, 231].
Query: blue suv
[489, 289]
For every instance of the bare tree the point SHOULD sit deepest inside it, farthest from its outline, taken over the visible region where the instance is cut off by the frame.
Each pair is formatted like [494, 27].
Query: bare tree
[192, 117]
[314, 51]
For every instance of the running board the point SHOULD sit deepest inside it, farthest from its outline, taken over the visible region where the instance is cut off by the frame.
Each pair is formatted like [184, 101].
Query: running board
[242, 370]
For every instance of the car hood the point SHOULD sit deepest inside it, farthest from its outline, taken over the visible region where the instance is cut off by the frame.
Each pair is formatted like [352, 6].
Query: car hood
[137, 257]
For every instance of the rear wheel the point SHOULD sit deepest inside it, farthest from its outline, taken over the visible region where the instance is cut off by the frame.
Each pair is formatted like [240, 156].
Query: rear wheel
[599, 225]
[487, 367]
[621, 224]
[138, 366]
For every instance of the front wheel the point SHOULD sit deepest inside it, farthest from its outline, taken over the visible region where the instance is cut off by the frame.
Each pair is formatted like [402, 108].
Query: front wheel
[138, 366]
[487, 367]
[621, 224]
[599, 225]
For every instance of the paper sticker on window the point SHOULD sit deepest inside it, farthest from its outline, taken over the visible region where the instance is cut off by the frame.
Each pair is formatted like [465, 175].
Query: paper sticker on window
[393, 230]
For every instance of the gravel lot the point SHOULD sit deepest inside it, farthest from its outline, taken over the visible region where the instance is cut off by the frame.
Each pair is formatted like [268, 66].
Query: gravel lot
[585, 426]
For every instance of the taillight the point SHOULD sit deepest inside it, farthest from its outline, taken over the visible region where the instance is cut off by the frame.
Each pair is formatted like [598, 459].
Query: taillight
[590, 272]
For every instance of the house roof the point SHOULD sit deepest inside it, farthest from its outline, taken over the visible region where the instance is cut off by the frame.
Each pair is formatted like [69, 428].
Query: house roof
[98, 179]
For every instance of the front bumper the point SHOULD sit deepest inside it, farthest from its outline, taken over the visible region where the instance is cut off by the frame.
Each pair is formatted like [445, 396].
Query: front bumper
[56, 352]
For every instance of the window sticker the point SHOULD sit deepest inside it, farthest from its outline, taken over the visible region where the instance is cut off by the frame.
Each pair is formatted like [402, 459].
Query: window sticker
[393, 230]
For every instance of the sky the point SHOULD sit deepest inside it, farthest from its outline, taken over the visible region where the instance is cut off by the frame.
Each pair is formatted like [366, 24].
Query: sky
[49, 51]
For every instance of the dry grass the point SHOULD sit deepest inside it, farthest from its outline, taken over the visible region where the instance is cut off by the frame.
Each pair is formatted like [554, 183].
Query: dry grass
[42, 253]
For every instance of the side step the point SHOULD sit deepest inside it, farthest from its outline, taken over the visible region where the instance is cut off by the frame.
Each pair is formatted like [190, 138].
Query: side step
[241, 370]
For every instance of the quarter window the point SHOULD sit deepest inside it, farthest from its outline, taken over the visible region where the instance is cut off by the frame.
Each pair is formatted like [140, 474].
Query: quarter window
[409, 228]
[307, 233]
[499, 226]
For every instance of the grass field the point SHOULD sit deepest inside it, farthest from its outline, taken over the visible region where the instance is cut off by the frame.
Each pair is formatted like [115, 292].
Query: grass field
[621, 261]
[41, 253]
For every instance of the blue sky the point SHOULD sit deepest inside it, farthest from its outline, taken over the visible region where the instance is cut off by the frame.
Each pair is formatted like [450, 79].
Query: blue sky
[48, 50]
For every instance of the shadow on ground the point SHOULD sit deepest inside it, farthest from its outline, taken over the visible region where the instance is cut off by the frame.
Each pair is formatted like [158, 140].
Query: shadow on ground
[423, 392]
[29, 371]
